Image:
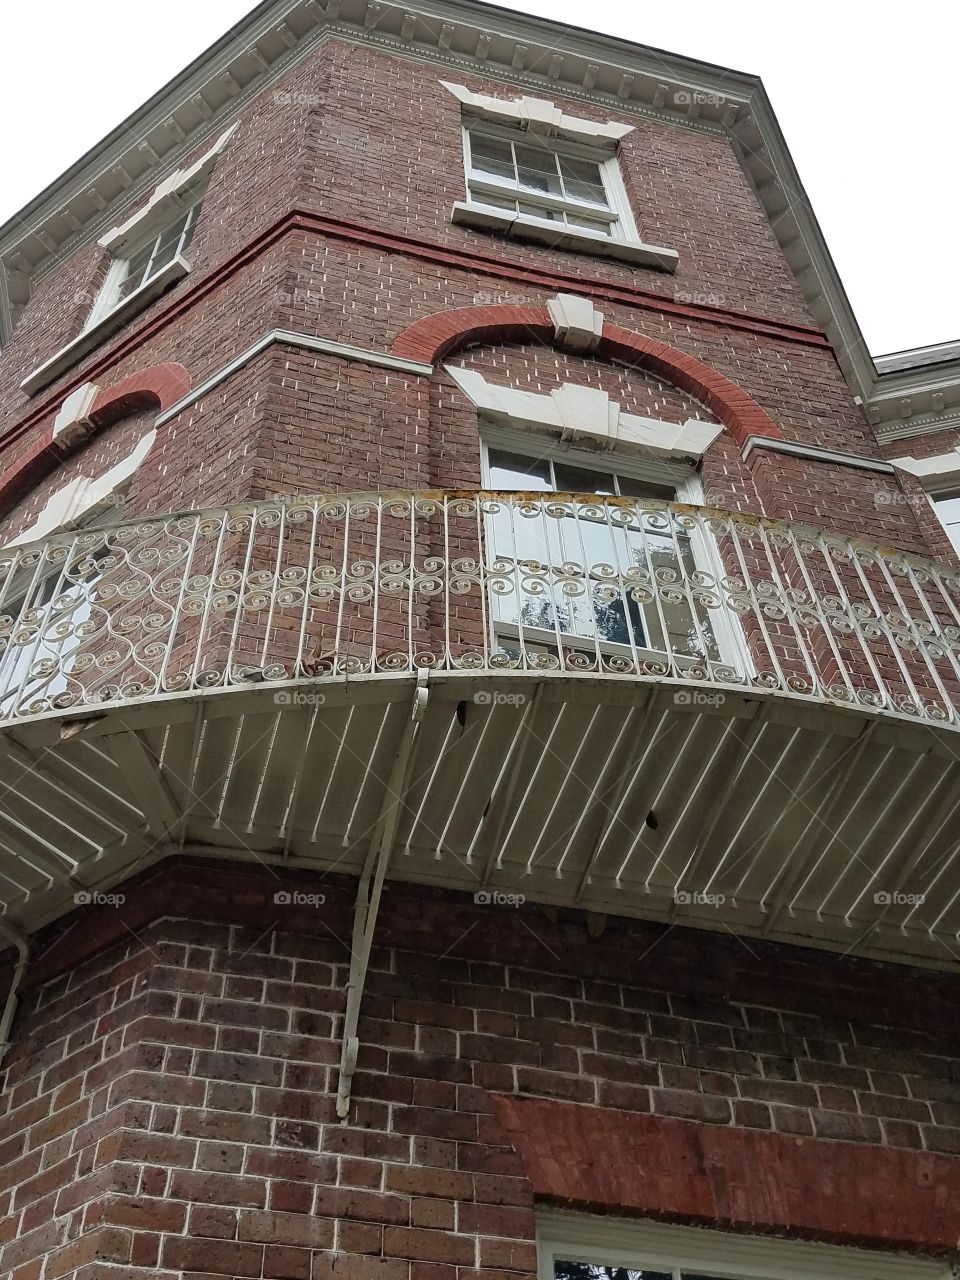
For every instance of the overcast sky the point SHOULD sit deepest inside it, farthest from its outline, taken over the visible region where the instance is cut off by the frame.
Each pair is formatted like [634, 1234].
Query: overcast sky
[866, 95]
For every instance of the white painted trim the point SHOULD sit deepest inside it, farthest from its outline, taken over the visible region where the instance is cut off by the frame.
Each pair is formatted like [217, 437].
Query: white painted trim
[115, 319]
[942, 471]
[688, 488]
[557, 236]
[679, 476]
[307, 342]
[727, 1255]
[538, 115]
[72, 423]
[618, 214]
[165, 201]
[814, 454]
[609, 73]
[81, 497]
[577, 324]
[585, 413]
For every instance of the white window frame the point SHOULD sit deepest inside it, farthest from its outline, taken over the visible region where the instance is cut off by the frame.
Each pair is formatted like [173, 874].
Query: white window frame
[619, 215]
[688, 488]
[944, 494]
[638, 1244]
[109, 298]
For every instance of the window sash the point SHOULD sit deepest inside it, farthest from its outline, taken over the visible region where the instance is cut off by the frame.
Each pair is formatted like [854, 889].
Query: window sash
[703, 1252]
[947, 507]
[159, 255]
[481, 183]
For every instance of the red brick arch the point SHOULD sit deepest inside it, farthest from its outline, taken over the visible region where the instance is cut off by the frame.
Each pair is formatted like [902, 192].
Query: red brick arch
[157, 387]
[435, 336]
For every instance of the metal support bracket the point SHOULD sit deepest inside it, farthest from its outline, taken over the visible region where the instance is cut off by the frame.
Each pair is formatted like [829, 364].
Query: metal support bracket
[11, 934]
[370, 888]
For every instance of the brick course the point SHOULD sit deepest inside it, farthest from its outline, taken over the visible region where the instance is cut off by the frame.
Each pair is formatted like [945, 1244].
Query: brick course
[169, 1108]
[171, 1093]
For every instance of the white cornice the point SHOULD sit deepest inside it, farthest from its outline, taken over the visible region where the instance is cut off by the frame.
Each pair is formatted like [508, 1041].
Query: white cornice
[484, 40]
[812, 453]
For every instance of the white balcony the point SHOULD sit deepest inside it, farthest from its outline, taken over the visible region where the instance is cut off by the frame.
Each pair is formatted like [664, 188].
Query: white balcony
[625, 705]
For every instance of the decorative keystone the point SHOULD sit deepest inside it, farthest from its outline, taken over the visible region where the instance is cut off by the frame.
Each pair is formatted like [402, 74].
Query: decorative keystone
[73, 423]
[577, 324]
[587, 411]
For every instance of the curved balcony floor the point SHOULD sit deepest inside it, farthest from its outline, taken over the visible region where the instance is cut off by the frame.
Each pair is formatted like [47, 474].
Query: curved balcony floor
[722, 808]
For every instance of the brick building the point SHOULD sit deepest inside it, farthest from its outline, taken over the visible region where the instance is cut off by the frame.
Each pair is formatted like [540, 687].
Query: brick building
[481, 681]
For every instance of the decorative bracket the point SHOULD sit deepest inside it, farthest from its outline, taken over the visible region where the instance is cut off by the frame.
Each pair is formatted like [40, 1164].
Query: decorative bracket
[370, 888]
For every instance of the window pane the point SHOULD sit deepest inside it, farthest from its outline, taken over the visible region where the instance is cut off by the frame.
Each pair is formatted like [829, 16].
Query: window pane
[582, 480]
[537, 170]
[582, 181]
[631, 488]
[164, 256]
[516, 471]
[498, 202]
[588, 1271]
[492, 156]
[135, 269]
[171, 235]
[590, 224]
[948, 509]
[535, 211]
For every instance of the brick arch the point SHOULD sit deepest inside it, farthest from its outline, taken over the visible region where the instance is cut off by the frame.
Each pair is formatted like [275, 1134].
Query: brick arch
[433, 337]
[158, 387]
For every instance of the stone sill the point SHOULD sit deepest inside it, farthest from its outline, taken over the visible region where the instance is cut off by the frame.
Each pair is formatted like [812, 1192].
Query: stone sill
[90, 338]
[523, 227]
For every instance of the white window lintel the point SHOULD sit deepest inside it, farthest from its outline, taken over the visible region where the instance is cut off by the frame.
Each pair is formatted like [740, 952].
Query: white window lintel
[538, 115]
[937, 472]
[82, 496]
[165, 198]
[587, 414]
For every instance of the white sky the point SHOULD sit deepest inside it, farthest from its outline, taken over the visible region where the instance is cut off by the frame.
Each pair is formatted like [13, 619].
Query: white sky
[866, 95]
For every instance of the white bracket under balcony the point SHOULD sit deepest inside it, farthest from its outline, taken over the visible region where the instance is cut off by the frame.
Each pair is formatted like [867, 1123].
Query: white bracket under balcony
[370, 889]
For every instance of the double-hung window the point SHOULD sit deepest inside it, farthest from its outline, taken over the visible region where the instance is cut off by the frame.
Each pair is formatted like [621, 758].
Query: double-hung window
[52, 602]
[947, 508]
[577, 1247]
[160, 250]
[612, 577]
[560, 182]
[147, 258]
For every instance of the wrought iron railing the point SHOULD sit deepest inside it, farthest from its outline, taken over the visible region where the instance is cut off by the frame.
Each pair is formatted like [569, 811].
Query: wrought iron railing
[484, 582]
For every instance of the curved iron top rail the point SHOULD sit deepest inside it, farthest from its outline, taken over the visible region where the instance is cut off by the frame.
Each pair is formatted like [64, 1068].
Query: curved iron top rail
[348, 584]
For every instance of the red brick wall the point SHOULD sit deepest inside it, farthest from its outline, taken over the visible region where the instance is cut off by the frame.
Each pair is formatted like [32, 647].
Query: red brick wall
[355, 134]
[169, 1104]
[170, 1095]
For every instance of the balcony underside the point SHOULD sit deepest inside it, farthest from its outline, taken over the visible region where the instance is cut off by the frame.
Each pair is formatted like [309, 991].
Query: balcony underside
[757, 812]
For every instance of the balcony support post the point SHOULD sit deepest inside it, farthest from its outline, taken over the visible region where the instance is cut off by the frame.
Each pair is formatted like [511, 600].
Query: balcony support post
[370, 888]
[9, 932]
